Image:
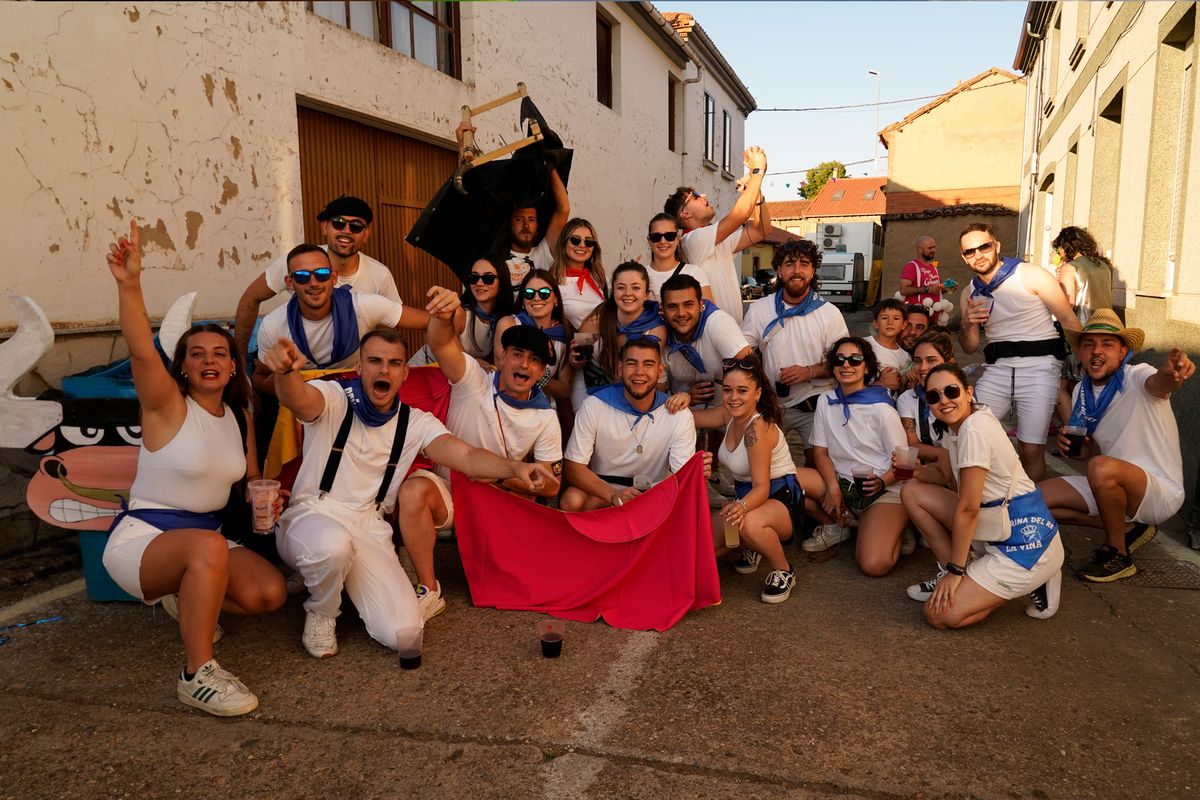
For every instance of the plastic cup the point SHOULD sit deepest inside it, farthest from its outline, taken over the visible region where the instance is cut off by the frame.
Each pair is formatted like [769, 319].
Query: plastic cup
[906, 462]
[733, 537]
[642, 483]
[263, 494]
[985, 303]
[551, 633]
[582, 345]
[861, 475]
[409, 643]
[1075, 435]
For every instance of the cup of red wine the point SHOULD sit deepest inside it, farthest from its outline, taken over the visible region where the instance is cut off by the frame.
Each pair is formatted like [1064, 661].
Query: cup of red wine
[550, 634]
[1075, 435]
[409, 642]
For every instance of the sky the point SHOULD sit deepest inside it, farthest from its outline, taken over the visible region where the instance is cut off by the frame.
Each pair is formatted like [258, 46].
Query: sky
[816, 54]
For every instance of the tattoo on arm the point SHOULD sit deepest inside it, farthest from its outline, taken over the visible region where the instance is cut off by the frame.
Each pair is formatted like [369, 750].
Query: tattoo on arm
[909, 424]
[751, 436]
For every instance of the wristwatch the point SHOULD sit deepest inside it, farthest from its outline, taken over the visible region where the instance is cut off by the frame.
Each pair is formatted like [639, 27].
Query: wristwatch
[756, 171]
[955, 569]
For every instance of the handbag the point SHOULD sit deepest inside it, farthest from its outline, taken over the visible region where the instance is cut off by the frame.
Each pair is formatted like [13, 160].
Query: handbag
[993, 523]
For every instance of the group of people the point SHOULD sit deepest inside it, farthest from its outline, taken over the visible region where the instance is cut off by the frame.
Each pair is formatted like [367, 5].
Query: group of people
[635, 370]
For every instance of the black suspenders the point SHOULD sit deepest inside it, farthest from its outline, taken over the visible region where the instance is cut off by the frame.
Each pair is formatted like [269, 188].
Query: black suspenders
[339, 444]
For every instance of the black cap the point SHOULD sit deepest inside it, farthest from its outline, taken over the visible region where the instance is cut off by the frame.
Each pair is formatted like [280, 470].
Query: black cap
[347, 206]
[528, 337]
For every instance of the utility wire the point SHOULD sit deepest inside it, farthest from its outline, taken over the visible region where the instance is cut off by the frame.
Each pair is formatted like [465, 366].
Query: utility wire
[888, 102]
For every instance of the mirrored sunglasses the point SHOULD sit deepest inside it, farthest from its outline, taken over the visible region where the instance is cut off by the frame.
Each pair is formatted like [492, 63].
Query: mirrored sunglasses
[544, 293]
[303, 276]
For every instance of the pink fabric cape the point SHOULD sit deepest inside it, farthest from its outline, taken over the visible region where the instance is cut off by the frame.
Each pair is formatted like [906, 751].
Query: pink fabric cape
[641, 566]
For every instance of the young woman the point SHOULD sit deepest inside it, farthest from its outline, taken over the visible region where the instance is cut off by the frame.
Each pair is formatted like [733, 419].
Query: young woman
[166, 545]
[485, 301]
[539, 304]
[665, 262]
[997, 509]
[1083, 271]
[855, 430]
[626, 312]
[770, 490]
[579, 271]
[933, 348]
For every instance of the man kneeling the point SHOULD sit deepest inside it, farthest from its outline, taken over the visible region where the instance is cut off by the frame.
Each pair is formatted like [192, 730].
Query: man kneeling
[622, 432]
[359, 442]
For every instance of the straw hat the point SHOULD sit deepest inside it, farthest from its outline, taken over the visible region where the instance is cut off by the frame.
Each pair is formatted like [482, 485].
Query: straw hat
[1106, 321]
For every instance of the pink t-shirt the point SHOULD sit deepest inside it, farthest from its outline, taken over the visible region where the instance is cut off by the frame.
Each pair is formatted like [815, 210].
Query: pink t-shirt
[921, 274]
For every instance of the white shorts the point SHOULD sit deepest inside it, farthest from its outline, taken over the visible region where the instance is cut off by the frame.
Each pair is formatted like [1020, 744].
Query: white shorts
[123, 554]
[1005, 578]
[1161, 502]
[1032, 386]
[443, 487]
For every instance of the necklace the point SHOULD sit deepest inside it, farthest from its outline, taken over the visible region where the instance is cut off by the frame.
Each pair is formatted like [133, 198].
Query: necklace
[639, 439]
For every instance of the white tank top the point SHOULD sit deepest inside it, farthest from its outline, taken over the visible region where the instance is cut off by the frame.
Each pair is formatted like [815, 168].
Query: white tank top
[738, 460]
[1018, 314]
[476, 337]
[194, 470]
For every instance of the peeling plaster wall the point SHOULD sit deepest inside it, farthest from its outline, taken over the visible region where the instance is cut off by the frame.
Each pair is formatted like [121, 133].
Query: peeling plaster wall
[184, 115]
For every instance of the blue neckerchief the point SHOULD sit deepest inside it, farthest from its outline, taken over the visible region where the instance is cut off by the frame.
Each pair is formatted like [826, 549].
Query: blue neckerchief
[537, 398]
[643, 337]
[688, 349]
[345, 327]
[169, 519]
[1007, 267]
[868, 394]
[555, 331]
[613, 395]
[742, 488]
[490, 319]
[1089, 409]
[647, 320]
[367, 413]
[811, 302]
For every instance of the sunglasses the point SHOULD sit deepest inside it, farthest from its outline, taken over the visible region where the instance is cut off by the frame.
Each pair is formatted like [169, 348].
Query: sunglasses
[749, 363]
[952, 392]
[579, 240]
[670, 236]
[303, 276]
[856, 360]
[477, 277]
[544, 293]
[340, 224]
[986, 247]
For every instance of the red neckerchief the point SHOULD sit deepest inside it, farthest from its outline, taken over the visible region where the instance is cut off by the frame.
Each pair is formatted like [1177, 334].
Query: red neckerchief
[584, 276]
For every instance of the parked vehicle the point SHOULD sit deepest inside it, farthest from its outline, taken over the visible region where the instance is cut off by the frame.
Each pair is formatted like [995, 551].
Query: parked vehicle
[750, 288]
[766, 281]
[843, 279]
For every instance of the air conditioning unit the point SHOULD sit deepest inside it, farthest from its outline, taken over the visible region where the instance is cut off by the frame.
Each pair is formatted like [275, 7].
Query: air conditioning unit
[829, 242]
[831, 230]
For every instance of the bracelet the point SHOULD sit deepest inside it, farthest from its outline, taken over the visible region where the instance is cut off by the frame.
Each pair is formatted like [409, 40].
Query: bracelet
[745, 508]
[955, 569]
[757, 171]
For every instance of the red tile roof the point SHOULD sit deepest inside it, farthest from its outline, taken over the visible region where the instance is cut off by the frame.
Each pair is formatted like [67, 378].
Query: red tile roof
[778, 235]
[788, 209]
[849, 197]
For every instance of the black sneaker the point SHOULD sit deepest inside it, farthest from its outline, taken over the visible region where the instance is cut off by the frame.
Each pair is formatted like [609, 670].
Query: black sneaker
[1107, 565]
[747, 563]
[1139, 535]
[778, 586]
[1043, 601]
[924, 590]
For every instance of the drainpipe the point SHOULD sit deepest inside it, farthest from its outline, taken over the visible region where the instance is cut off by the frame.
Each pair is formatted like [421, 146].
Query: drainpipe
[1035, 154]
[653, 13]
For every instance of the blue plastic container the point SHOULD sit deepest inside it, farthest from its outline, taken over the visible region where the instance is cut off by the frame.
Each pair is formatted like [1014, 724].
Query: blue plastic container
[100, 585]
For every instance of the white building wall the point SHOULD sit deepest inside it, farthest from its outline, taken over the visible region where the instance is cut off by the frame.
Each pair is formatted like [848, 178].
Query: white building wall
[184, 115]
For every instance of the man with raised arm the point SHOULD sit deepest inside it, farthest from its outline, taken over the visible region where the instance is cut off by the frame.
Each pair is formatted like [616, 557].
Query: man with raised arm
[710, 245]
[359, 442]
[1015, 305]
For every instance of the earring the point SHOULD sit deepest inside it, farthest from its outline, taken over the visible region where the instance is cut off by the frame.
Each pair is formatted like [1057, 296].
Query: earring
[234, 372]
[183, 375]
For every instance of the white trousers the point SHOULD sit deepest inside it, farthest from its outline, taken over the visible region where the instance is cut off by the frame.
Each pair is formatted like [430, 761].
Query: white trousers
[336, 547]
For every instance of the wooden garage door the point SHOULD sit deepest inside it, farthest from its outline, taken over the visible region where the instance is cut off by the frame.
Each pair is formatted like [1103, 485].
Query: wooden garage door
[395, 174]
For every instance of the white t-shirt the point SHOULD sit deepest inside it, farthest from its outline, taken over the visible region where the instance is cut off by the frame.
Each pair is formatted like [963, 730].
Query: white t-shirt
[982, 442]
[606, 440]
[371, 276]
[578, 303]
[518, 266]
[657, 279]
[908, 406]
[868, 440]
[371, 310]
[366, 454]
[1140, 428]
[896, 359]
[700, 247]
[722, 339]
[480, 418]
[796, 341]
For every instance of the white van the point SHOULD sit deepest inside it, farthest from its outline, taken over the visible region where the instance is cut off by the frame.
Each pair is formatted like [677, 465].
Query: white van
[842, 279]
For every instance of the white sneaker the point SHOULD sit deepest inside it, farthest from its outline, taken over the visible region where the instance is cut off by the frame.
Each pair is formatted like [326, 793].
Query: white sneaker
[320, 635]
[214, 690]
[1044, 599]
[825, 537]
[170, 604]
[924, 590]
[431, 600]
[908, 542]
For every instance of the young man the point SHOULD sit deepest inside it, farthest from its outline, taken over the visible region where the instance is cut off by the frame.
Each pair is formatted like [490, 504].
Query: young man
[504, 412]
[919, 278]
[699, 337]
[345, 229]
[893, 359]
[916, 322]
[622, 431]
[326, 323]
[1015, 304]
[358, 445]
[793, 328]
[711, 247]
[1134, 465]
